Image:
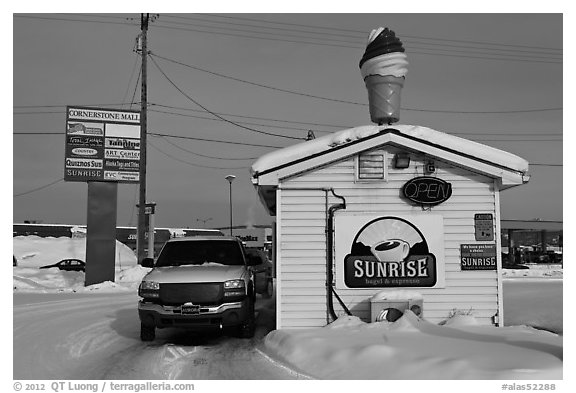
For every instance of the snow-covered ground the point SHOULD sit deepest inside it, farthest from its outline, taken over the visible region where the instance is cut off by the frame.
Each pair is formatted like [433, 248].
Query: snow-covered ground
[408, 349]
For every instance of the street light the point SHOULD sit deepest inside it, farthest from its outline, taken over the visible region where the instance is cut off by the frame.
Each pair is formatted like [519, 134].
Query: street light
[230, 179]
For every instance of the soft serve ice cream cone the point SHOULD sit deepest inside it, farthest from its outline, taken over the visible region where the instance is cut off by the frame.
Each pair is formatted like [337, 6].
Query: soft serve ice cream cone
[384, 69]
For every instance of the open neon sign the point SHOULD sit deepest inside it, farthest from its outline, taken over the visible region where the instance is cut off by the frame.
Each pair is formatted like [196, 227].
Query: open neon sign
[426, 190]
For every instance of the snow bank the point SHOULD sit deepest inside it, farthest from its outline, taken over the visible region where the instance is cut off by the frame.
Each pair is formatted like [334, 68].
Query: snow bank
[414, 349]
[55, 280]
[542, 271]
[397, 295]
[34, 251]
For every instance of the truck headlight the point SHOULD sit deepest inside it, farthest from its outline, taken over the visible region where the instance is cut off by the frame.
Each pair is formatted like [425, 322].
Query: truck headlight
[149, 289]
[234, 284]
[234, 290]
[150, 285]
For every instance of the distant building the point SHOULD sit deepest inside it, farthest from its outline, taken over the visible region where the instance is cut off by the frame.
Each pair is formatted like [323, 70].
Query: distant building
[253, 236]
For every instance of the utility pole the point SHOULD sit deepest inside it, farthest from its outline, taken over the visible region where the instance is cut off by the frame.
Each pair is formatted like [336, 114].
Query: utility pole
[144, 18]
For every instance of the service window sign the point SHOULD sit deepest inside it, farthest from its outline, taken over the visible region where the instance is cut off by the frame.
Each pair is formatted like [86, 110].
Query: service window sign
[102, 145]
[478, 256]
[377, 251]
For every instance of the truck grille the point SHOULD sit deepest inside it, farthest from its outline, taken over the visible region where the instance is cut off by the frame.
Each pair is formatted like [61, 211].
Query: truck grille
[200, 293]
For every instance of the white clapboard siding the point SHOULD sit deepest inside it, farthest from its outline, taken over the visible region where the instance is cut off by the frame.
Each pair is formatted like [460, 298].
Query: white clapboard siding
[302, 240]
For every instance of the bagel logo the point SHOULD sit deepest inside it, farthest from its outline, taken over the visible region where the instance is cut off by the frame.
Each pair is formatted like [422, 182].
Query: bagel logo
[82, 151]
[389, 252]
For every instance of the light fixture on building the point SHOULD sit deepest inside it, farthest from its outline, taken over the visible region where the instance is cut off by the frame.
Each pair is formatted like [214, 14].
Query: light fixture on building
[430, 167]
[401, 160]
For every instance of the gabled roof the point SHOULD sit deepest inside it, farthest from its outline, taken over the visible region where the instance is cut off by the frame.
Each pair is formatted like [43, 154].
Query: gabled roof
[510, 169]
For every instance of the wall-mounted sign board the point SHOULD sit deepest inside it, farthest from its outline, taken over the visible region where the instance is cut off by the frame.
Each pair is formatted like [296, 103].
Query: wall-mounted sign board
[478, 256]
[484, 226]
[381, 251]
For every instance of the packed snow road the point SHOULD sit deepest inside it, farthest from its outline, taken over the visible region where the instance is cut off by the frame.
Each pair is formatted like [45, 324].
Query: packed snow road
[74, 336]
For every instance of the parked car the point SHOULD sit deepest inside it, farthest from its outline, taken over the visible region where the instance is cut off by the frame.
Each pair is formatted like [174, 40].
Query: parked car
[199, 283]
[71, 264]
[262, 272]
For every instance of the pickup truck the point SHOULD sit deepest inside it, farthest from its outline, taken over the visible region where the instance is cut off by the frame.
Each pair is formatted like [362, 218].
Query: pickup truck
[199, 283]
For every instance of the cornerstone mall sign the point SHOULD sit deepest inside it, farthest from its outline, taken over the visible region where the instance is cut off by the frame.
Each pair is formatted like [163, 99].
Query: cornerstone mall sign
[102, 145]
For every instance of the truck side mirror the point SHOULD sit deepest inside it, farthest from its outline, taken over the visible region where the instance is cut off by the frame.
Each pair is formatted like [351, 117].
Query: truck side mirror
[253, 260]
[147, 262]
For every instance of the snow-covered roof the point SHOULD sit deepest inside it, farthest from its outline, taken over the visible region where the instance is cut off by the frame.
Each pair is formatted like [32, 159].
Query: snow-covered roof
[451, 143]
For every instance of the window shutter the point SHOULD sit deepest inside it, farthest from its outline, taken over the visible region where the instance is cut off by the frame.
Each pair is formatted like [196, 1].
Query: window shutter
[371, 166]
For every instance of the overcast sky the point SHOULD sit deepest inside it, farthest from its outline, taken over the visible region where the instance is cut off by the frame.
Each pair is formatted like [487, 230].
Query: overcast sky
[492, 78]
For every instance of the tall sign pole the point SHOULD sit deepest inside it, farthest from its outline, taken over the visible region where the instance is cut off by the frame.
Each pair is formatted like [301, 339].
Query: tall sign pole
[144, 18]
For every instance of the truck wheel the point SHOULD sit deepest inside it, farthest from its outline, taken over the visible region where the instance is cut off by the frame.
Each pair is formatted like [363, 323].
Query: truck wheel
[147, 333]
[269, 289]
[248, 329]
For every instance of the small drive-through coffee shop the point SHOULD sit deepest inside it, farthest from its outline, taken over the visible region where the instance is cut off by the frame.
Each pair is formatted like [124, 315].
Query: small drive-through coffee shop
[384, 214]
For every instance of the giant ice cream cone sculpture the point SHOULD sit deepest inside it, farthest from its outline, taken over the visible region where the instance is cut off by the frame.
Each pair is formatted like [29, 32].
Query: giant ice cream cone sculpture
[384, 68]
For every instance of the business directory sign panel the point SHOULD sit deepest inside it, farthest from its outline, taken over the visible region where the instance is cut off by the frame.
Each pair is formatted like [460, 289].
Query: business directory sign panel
[102, 145]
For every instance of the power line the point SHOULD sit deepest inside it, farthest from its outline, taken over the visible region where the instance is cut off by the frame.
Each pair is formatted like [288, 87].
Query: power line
[241, 122]
[360, 37]
[279, 147]
[267, 38]
[161, 134]
[38, 188]
[466, 49]
[339, 126]
[136, 86]
[254, 117]
[40, 113]
[64, 106]
[207, 156]
[296, 41]
[214, 140]
[344, 101]
[356, 34]
[127, 23]
[215, 114]
[364, 32]
[190, 163]
[130, 79]
[347, 126]
[254, 83]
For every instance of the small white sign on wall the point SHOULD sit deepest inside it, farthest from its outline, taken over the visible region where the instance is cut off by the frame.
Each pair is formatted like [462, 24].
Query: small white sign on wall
[389, 251]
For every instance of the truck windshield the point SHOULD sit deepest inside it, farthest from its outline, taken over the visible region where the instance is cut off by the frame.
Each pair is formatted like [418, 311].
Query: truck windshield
[199, 252]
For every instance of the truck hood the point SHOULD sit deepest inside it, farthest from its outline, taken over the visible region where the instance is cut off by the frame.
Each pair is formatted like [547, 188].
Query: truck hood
[195, 273]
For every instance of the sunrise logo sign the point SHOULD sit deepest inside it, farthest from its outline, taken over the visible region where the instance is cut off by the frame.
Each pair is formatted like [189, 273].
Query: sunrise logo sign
[389, 252]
